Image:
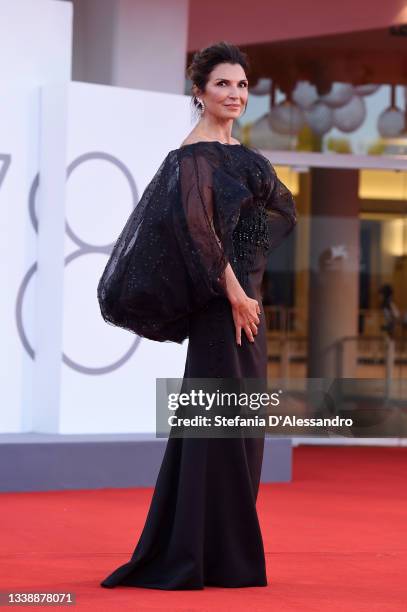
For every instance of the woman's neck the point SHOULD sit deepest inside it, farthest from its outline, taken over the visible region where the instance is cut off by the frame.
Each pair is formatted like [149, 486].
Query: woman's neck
[209, 129]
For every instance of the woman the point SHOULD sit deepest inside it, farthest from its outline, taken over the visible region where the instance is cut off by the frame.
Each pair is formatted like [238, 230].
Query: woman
[189, 263]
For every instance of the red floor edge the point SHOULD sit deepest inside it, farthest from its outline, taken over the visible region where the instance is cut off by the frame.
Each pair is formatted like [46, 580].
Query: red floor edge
[335, 539]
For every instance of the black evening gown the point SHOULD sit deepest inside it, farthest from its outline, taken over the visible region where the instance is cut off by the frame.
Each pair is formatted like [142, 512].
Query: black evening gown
[208, 205]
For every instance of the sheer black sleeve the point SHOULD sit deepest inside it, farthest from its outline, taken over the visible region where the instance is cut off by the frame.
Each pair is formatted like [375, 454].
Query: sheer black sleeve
[210, 200]
[281, 210]
[170, 257]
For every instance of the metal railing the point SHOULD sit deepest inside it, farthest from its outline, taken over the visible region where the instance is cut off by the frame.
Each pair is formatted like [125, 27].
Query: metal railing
[376, 356]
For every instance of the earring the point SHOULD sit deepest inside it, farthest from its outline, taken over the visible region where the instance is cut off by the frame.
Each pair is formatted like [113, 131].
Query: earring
[201, 102]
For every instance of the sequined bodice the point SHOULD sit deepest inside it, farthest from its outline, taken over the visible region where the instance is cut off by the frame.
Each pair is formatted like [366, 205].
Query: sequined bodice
[250, 236]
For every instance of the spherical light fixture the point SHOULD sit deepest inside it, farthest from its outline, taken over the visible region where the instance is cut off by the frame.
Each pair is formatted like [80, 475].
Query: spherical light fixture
[350, 116]
[286, 118]
[304, 94]
[320, 118]
[391, 122]
[262, 87]
[366, 90]
[340, 94]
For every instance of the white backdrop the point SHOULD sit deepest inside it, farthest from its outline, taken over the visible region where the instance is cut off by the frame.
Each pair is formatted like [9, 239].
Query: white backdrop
[98, 148]
[35, 41]
[63, 369]
[117, 138]
[35, 48]
[19, 125]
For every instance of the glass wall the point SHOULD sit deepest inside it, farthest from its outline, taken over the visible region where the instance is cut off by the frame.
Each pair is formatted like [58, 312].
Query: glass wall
[335, 295]
[335, 292]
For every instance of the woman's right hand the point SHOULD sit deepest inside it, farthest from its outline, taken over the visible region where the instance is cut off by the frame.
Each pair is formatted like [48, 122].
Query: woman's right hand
[245, 309]
[245, 312]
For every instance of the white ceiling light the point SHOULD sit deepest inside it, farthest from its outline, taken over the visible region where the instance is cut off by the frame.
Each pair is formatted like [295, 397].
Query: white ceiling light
[339, 95]
[391, 122]
[286, 118]
[366, 90]
[305, 94]
[262, 87]
[350, 117]
[319, 118]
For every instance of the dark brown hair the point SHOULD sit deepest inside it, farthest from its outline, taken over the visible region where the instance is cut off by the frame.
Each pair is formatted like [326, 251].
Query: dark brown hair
[204, 61]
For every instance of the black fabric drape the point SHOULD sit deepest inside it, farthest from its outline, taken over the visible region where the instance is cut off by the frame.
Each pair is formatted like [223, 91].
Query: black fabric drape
[171, 255]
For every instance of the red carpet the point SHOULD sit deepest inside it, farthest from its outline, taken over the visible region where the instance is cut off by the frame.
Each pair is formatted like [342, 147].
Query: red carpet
[335, 540]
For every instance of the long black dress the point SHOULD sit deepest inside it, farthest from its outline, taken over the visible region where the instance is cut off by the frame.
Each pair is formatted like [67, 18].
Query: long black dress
[209, 204]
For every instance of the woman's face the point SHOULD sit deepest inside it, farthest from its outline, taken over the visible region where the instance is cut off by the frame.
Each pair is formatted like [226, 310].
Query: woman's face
[226, 91]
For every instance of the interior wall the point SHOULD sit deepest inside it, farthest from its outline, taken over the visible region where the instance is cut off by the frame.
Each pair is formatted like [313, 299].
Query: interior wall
[265, 20]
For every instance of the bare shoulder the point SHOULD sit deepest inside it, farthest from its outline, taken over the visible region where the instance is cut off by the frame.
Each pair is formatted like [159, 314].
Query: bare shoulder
[195, 138]
[187, 141]
[191, 139]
